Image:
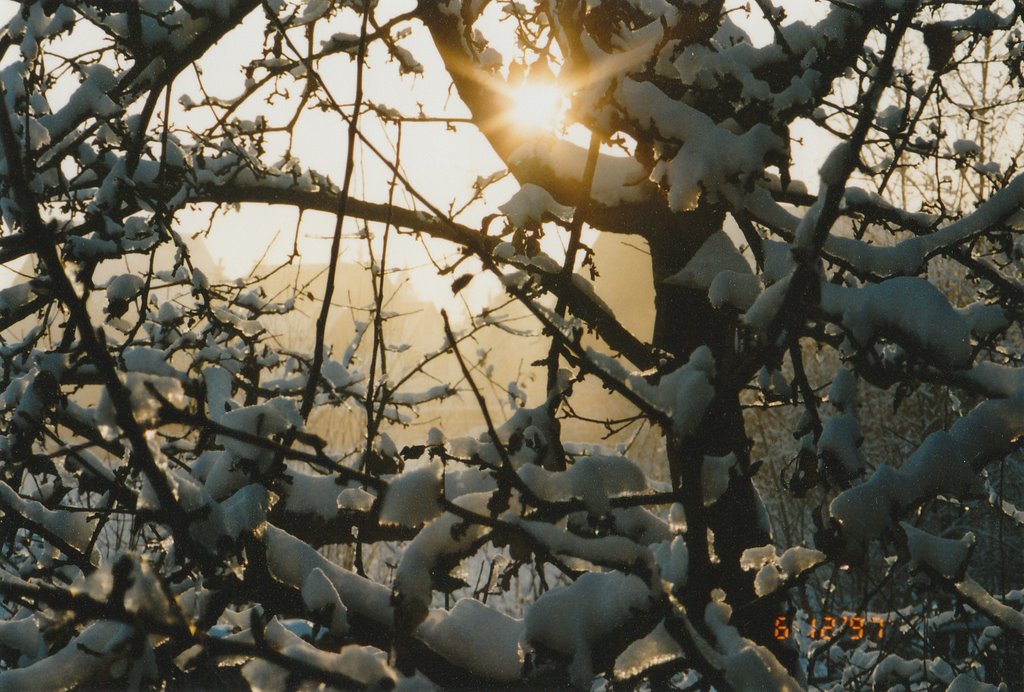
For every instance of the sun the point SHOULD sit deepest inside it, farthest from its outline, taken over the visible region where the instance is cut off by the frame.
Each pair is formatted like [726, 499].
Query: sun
[537, 106]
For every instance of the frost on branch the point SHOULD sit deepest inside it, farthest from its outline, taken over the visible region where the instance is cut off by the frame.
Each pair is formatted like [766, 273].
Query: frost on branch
[531, 205]
[412, 498]
[744, 664]
[944, 463]
[572, 620]
[770, 337]
[946, 556]
[774, 569]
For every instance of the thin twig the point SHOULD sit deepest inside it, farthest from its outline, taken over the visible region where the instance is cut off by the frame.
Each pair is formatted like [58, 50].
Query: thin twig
[325, 307]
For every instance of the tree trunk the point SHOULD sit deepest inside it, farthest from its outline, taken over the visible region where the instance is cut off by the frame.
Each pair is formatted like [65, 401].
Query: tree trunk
[684, 321]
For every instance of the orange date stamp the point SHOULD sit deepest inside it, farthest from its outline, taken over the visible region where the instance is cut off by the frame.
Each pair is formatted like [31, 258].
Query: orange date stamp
[824, 627]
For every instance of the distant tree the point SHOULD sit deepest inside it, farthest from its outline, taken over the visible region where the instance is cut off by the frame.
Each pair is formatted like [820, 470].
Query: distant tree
[168, 505]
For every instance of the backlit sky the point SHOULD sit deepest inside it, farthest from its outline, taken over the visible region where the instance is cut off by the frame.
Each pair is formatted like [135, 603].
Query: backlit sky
[441, 162]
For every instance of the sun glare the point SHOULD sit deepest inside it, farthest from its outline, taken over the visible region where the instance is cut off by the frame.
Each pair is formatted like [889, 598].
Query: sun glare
[538, 106]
